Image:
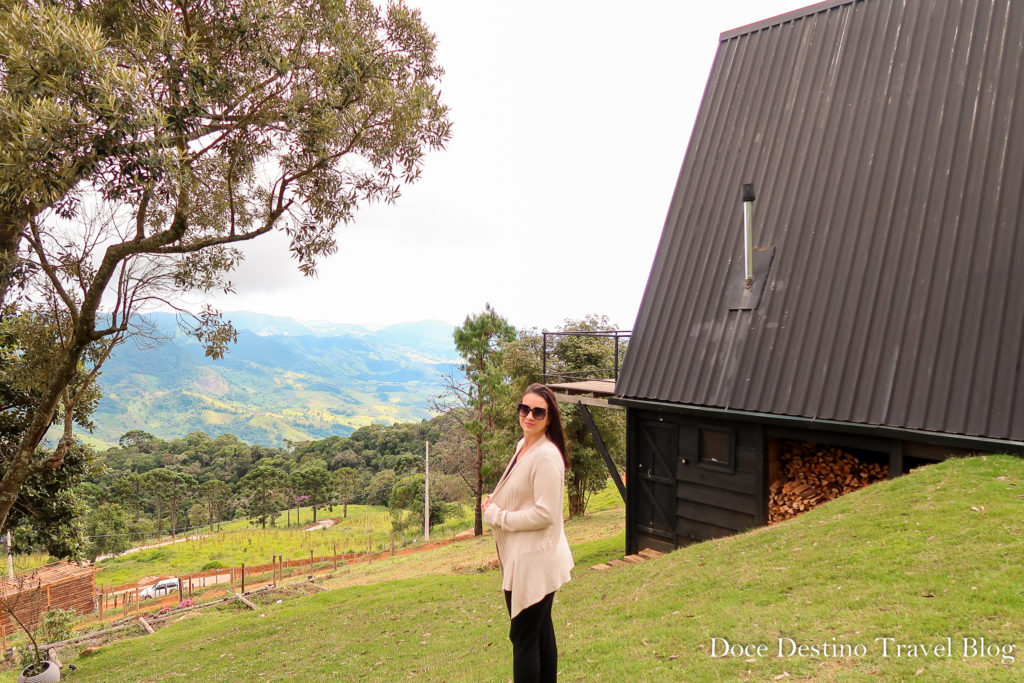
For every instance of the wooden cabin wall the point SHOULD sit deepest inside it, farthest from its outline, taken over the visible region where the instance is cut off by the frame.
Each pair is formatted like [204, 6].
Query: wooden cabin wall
[691, 479]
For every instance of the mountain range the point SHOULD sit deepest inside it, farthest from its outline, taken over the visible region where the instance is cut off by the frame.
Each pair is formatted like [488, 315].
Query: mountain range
[284, 379]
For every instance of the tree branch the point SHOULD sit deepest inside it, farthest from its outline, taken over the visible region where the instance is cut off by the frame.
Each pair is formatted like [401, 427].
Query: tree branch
[140, 216]
[36, 242]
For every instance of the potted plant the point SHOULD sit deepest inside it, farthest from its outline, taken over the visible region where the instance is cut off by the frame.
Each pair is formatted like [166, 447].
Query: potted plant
[43, 671]
[35, 667]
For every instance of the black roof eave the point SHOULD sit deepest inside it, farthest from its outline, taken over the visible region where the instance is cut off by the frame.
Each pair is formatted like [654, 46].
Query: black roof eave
[783, 18]
[963, 441]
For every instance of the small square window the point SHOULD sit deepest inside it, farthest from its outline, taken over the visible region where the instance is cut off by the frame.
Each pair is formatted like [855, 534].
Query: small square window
[716, 450]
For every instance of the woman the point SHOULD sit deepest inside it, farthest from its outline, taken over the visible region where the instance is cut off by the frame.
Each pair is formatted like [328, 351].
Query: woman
[525, 512]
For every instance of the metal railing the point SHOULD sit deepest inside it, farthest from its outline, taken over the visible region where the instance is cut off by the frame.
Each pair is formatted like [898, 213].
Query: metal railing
[591, 373]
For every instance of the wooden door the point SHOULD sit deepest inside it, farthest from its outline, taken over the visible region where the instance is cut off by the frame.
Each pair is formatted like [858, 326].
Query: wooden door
[655, 451]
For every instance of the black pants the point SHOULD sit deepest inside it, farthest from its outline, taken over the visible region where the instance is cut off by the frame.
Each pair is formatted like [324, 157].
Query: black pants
[534, 653]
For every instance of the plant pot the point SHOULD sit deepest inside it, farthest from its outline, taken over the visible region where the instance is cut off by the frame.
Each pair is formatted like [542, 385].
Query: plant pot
[49, 674]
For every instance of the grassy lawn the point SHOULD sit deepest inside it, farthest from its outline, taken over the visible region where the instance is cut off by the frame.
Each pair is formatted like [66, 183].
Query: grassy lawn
[930, 556]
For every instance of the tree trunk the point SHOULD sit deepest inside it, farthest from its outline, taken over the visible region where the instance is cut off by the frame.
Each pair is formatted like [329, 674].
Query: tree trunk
[10, 236]
[478, 517]
[577, 501]
[174, 515]
[21, 466]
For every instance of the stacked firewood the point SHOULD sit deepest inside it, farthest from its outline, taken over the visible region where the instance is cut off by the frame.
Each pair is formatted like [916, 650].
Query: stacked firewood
[810, 474]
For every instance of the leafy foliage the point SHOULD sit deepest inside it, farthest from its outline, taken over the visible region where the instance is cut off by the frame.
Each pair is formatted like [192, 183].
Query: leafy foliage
[140, 142]
[107, 527]
[57, 624]
[588, 356]
[407, 501]
[49, 512]
[263, 486]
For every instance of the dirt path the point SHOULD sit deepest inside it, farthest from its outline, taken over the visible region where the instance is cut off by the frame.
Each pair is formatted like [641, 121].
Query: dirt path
[140, 548]
[322, 524]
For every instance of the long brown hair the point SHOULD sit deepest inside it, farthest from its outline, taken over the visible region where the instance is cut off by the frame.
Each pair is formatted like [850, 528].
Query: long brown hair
[554, 431]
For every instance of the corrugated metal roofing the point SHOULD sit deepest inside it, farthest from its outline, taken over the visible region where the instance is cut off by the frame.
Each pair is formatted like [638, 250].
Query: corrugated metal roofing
[885, 139]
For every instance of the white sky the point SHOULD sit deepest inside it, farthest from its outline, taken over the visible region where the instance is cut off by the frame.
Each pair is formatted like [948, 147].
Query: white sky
[571, 120]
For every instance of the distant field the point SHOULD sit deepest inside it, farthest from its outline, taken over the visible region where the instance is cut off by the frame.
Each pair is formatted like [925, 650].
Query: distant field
[366, 527]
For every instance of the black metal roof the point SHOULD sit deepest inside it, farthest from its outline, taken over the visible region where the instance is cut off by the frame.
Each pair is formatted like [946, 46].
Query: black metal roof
[885, 139]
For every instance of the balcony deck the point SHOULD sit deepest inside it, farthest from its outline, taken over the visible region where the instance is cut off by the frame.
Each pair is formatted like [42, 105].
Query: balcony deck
[592, 392]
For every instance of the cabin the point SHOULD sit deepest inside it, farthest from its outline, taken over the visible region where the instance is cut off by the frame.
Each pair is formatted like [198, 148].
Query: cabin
[58, 585]
[837, 293]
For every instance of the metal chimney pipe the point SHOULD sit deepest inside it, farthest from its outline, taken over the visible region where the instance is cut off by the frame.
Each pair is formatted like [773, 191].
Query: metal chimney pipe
[747, 194]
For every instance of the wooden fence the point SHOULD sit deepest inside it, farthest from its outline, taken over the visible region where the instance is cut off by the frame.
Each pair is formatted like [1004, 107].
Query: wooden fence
[67, 586]
[128, 596]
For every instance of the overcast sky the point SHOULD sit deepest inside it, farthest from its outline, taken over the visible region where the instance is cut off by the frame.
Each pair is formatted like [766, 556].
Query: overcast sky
[571, 120]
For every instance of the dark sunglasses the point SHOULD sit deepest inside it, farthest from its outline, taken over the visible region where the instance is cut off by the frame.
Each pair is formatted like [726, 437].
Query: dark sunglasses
[538, 413]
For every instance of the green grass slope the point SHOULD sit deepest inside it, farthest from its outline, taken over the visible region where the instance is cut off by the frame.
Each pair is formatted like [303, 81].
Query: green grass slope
[930, 559]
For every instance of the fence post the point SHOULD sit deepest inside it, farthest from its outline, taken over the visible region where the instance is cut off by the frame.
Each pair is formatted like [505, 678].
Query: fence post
[243, 577]
[311, 562]
[335, 556]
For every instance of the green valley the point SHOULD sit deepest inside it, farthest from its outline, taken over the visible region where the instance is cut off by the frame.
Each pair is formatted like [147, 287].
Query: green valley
[282, 381]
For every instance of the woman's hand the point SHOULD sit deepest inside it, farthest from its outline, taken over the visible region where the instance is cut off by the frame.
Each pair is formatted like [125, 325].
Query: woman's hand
[488, 512]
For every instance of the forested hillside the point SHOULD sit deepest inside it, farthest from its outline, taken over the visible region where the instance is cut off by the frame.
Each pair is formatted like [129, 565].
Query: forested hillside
[283, 380]
[147, 485]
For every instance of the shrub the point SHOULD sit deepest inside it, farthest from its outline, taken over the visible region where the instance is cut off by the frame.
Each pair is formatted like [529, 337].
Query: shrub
[57, 624]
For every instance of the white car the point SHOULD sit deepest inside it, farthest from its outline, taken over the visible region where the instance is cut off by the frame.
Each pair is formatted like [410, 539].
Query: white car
[165, 587]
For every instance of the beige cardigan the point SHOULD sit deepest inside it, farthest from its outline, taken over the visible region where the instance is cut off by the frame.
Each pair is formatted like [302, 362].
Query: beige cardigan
[525, 513]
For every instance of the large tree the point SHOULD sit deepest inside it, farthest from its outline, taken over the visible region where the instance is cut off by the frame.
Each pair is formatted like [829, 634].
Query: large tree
[345, 480]
[313, 481]
[107, 527]
[263, 491]
[475, 403]
[217, 495]
[142, 140]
